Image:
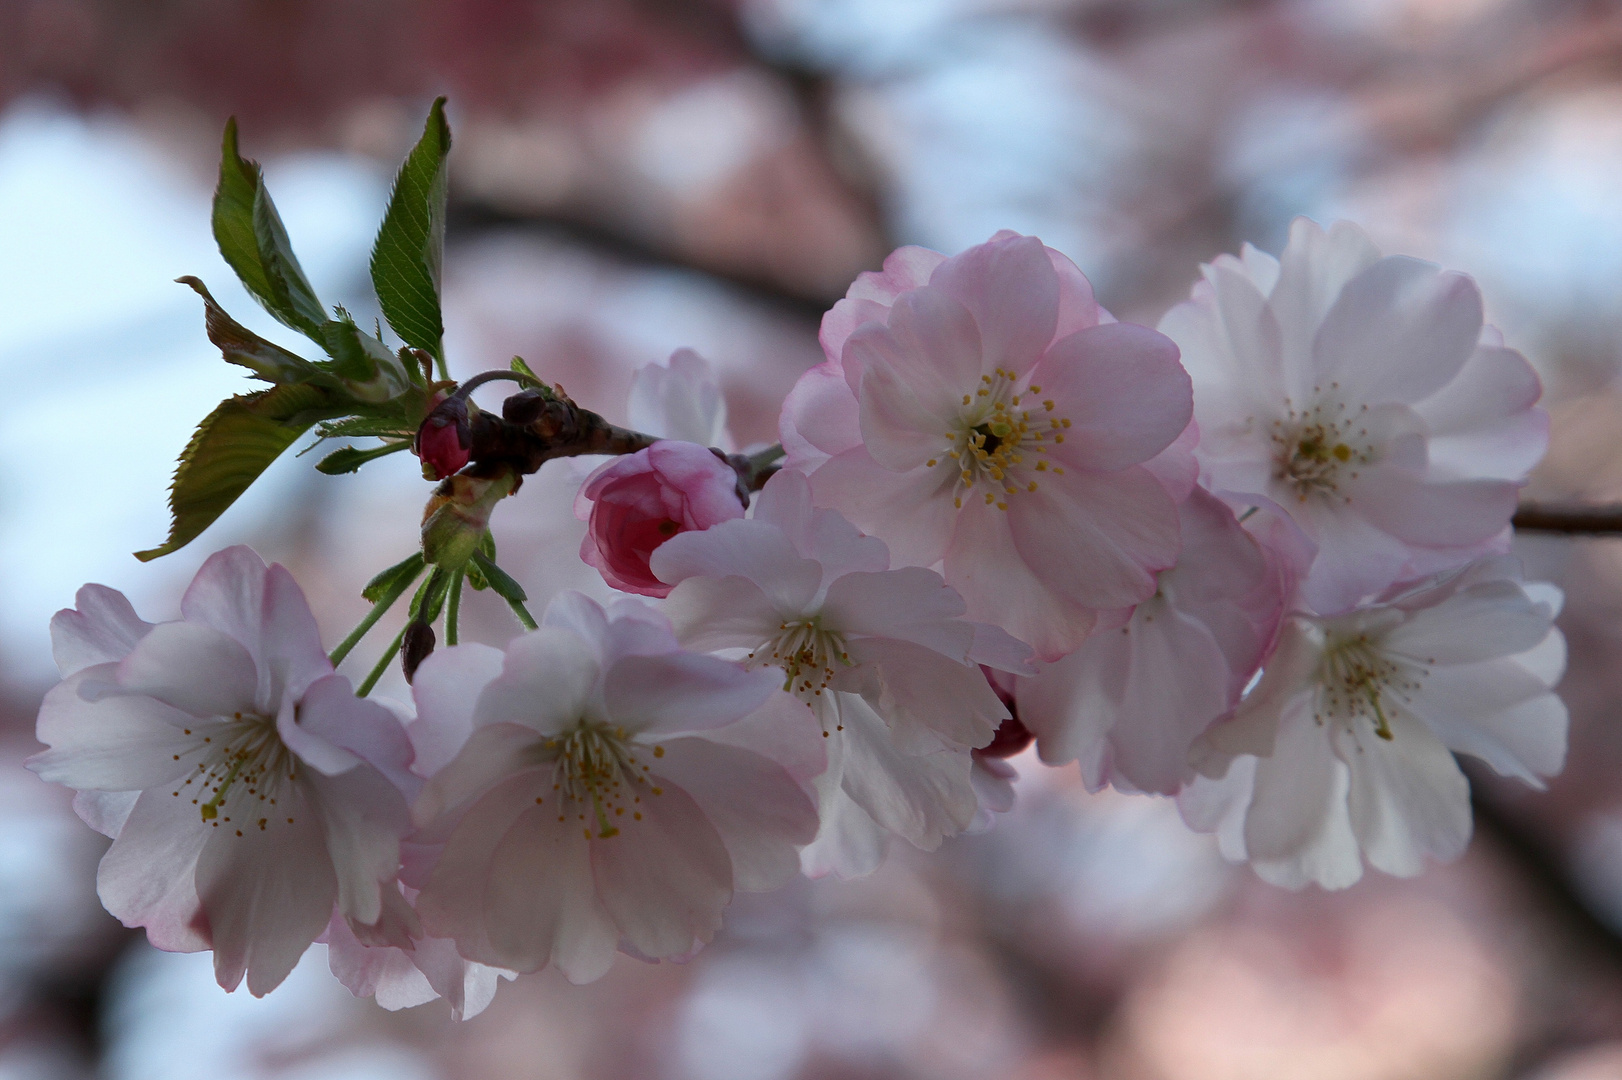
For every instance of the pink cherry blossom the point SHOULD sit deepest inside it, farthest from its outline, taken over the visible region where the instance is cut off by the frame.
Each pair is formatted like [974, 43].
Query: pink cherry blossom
[247, 789]
[596, 804]
[976, 411]
[1129, 703]
[1344, 749]
[883, 658]
[1363, 395]
[680, 400]
[635, 503]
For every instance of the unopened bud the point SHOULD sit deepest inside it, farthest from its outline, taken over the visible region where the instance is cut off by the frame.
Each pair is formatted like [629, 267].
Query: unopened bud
[445, 437]
[417, 646]
[458, 514]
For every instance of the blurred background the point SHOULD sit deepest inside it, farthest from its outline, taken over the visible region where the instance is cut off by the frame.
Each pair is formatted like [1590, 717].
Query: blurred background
[631, 176]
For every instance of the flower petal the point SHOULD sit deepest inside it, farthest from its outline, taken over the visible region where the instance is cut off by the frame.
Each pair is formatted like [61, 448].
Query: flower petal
[912, 511]
[1010, 287]
[683, 691]
[100, 628]
[1123, 391]
[147, 878]
[446, 691]
[195, 668]
[909, 604]
[546, 681]
[119, 742]
[1408, 798]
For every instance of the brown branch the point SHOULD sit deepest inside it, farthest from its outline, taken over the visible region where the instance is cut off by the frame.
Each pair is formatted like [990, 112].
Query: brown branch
[1572, 519]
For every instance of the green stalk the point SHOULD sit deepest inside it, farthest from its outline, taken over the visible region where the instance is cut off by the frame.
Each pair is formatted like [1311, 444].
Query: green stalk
[382, 665]
[454, 608]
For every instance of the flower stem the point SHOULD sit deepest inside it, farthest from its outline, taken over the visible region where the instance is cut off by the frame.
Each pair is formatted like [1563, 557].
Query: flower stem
[396, 589]
[523, 614]
[382, 665]
[453, 608]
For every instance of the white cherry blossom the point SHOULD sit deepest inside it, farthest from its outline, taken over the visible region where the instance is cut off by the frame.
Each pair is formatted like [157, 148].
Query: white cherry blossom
[1363, 394]
[1344, 749]
[883, 658]
[596, 803]
[248, 790]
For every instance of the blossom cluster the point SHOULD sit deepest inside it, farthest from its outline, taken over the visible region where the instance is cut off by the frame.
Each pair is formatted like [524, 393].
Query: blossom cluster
[1256, 559]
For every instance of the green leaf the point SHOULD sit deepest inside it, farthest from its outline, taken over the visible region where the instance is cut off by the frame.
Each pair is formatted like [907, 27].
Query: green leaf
[426, 605]
[395, 580]
[231, 447]
[242, 346]
[253, 240]
[349, 459]
[498, 579]
[522, 368]
[356, 427]
[368, 369]
[410, 244]
[487, 545]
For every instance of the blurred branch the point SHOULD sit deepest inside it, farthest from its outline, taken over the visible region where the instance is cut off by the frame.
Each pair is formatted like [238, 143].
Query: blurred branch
[469, 217]
[1573, 519]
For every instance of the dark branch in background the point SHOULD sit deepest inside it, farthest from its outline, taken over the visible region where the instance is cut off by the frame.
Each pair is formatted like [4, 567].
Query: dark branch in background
[1571, 518]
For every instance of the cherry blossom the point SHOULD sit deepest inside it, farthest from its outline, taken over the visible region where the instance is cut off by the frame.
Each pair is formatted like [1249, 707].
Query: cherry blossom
[635, 503]
[1345, 747]
[680, 400]
[595, 804]
[1131, 701]
[1363, 394]
[977, 412]
[247, 789]
[883, 658]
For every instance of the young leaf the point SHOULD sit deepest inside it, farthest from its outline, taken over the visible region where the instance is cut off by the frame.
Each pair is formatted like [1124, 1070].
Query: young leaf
[368, 369]
[498, 579]
[522, 368]
[242, 346]
[395, 580]
[410, 244]
[349, 459]
[254, 242]
[231, 447]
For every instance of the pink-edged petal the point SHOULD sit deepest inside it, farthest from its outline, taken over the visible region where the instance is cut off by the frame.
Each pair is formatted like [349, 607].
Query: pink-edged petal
[1446, 514]
[1483, 423]
[267, 893]
[490, 756]
[545, 683]
[1071, 704]
[753, 803]
[923, 798]
[105, 811]
[1297, 815]
[1499, 712]
[290, 642]
[1011, 289]
[666, 878]
[310, 747]
[1408, 798]
[822, 535]
[1315, 265]
[446, 690]
[820, 418]
[711, 614]
[925, 697]
[756, 550]
[784, 730]
[100, 628]
[1078, 309]
[364, 815]
[1399, 331]
[195, 668]
[1123, 391]
[905, 268]
[986, 567]
[912, 511]
[909, 604]
[1241, 347]
[996, 648]
[121, 742]
[930, 347]
[683, 691]
[147, 876]
[1176, 467]
[1096, 538]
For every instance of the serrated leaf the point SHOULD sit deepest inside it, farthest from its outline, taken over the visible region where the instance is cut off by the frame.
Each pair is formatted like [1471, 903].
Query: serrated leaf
[356, 427]
[409, 251]
[349, 459]
[395, 580]
[498, 579]
[242, 346]
[522, 368]
[254, 243]
[231, 447]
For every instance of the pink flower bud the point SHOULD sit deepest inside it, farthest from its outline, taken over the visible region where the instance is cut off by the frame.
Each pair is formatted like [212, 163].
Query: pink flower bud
[444, 438]
[637, 502]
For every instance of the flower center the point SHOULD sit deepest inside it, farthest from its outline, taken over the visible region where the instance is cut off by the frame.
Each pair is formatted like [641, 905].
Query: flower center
[597, 775]
[1358, 681]
[242, 769]
[997, 444]
[806, 652]
[1315, 450]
